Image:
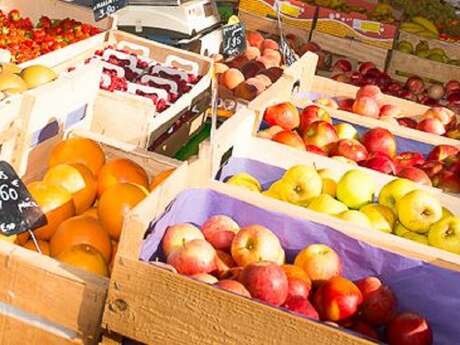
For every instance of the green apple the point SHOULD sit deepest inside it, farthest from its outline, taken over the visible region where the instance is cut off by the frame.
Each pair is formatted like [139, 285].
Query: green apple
[413, 236]
[445, 234]
[446, 213]
[381, 217]
[246, 181]
[344, 160]
[346, 131]
[356, 217]
[329, 181]
[327, 204]
[418, 210]
[356, 189]
[299, 185]
[400, 230]
[395, 190]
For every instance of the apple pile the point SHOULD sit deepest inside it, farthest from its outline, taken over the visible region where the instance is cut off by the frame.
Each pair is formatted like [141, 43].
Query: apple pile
[124, 71]
[312, 130]
[399, 207]
[250, 74]
[250, 262]
[414, 89]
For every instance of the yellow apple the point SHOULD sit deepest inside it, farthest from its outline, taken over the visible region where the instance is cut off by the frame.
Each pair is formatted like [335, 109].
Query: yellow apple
[418, 210]
[346, 131]
[344, 160]
[329, 181]
[395, 190]
[356, 217]
[245, 180]
[445, 234]
[413, 236]
[446, 213]
[356, 189]
[400, 230]
[299, 185]
[327, 204]
[381, 217]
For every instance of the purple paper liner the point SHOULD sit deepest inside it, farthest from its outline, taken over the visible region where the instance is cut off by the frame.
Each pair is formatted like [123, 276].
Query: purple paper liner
[420, 287]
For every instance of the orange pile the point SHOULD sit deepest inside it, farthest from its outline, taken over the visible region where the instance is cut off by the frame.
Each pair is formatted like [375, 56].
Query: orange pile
[85, 200]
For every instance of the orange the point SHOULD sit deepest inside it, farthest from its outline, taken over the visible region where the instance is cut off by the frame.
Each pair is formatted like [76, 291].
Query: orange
[44, 246]
[55, 202]
[160, 178]
[81, 230]
[86, 258]
[22, 238]
[78, 150]
[78, 180]
[114, 252]
[121, 170]
[91, 212]
[115, 203]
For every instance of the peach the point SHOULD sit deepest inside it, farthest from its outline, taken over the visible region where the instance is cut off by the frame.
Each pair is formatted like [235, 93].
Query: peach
[289, 138]
[233, 286]
[270, 44]
[237, 62]
[274, 73]
[389, 110]
[232, 78]
[205, 278]
[245, 91]
[371, 91]
[276, 55]
[220, 68]
[284, 115]
[219, 231]
[268, 61]
[252, 68]
[255, 39]
[366, 106]
[265, 80]
[177, 235]
[194, 257]
[252, 53]
[257, 83]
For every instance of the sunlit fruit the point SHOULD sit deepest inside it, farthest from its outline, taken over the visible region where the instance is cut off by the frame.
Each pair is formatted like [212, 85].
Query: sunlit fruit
[78, 150]
[81, 230]
[85, 257]
[43, 245]
[37, 75]
[13, 83]
[115, 203]
[55, 202]
[121, 170]
[78, 180]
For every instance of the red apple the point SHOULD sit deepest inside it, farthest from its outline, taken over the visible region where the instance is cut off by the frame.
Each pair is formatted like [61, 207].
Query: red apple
[441, 152]
[379, 162]
[224, 262]
[311, 114]
[442, 114]
[256, 243]
[205, 278]
[394, 88]
[366, 106]
[233, 286]
[365, 329]
[220, 231]
[409, 95]
[232, 274]
[289, 138]
[320, 262]
[194, 257]
[416, 175]
[284, 115]
[431, 168]
[389, 110]
[299, 284]
[370, 91]
[356, 78]
[452, 86]
[349, 148]
[177, 235]
[408, 159]
[270, 132]
[365, 67]
[315, 149]
[407, 122]
[431, 125]
[342, 65]
[409, 329]
[380, 140]
[327, 102]
[265, 281]
[379, 307]
[301, 306]
[448, 181]
[337, 299]
[342, 78]
[415, 84]
[321, 134]
[346, 104]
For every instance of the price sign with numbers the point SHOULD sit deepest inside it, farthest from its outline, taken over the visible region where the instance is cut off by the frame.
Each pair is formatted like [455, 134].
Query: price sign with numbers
[104, 8]
[19, 212]
[289, 56]
[234, 39]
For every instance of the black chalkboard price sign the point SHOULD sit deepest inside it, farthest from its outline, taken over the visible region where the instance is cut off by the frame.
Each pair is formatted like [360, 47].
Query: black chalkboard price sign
[18, 210]
[234, 39]
[104, 8]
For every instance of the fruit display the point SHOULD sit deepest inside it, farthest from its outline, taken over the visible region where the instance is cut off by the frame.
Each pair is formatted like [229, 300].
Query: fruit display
[423, 50]
[313, 130]
[399, 208]
[85, 198]
[25, 40]
[15, 80]
[248, 75]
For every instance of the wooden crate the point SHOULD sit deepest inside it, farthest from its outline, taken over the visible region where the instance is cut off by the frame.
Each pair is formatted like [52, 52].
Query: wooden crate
[134, 119]
[404, 65]
[154, 306]
[10, 126]
[56, 9]
[52, 302]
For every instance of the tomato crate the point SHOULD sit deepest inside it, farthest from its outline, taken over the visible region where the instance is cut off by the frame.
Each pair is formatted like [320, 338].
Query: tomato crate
[357, 26]
[66, 305]
[150, 304]
[121, 111]
[60, 10]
